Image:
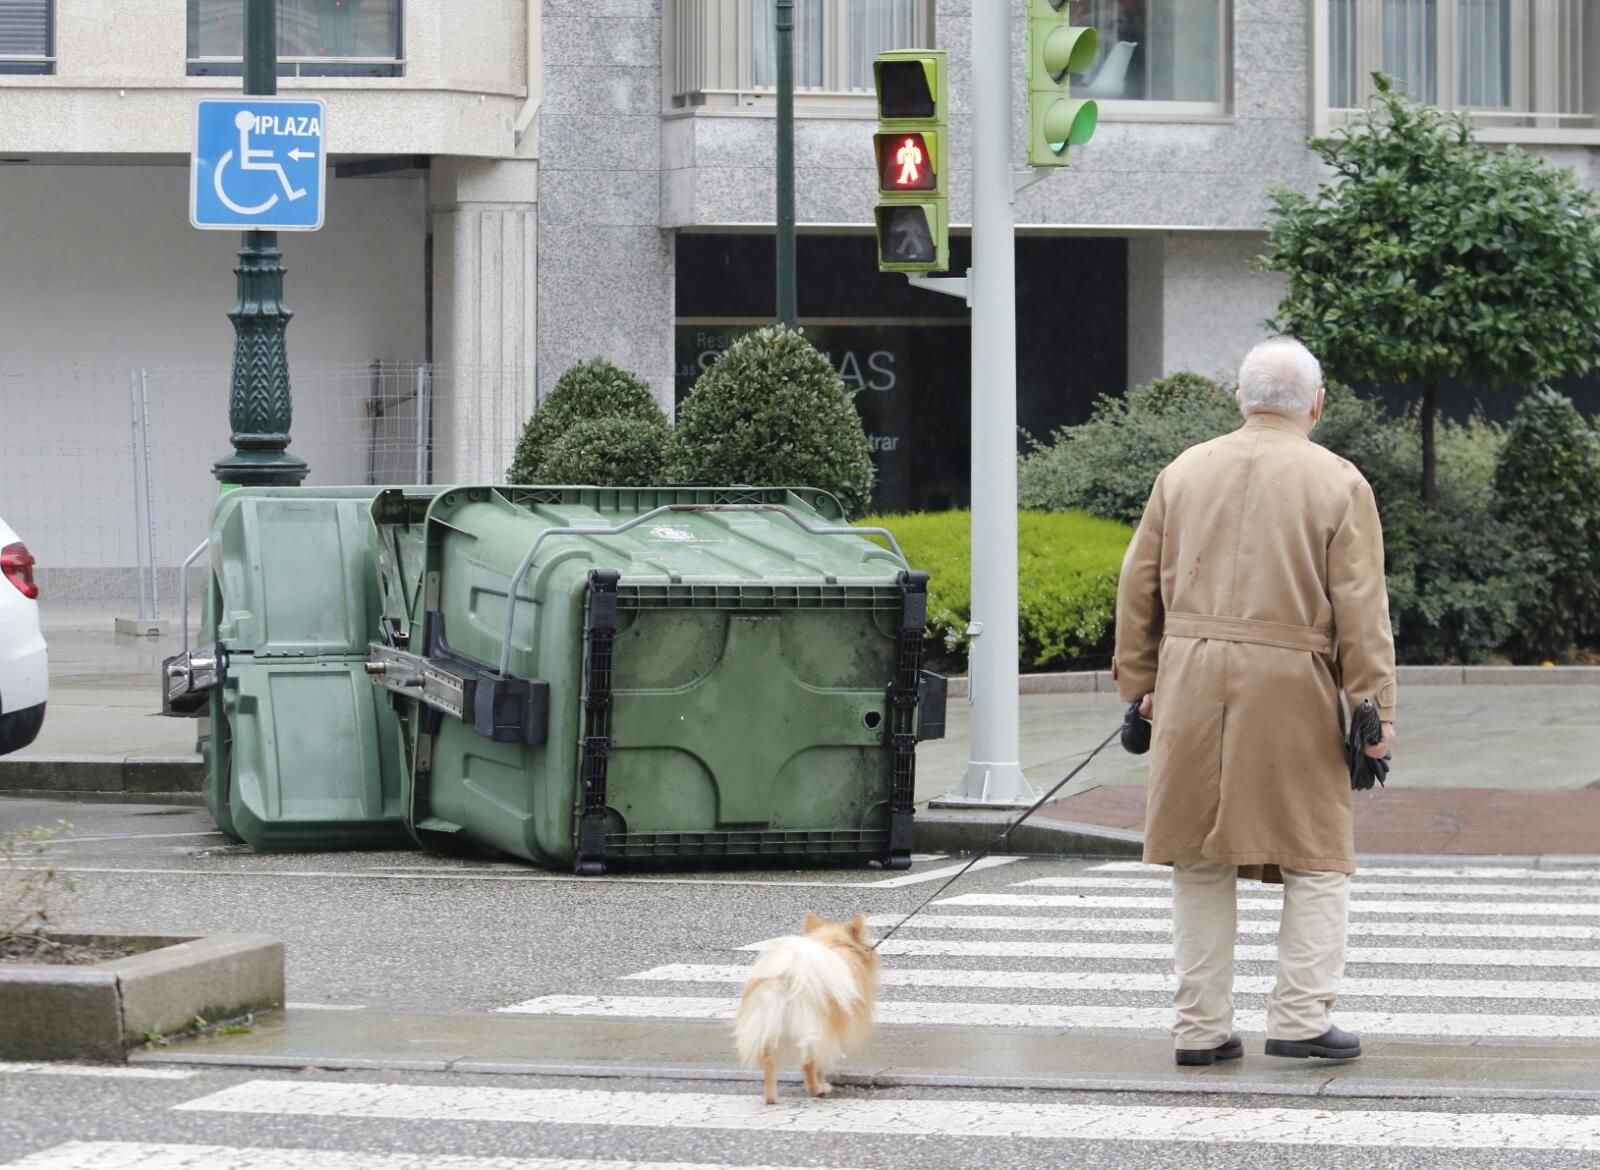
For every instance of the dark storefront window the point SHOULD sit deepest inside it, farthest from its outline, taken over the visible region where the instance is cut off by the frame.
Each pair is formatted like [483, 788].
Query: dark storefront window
[907, 354]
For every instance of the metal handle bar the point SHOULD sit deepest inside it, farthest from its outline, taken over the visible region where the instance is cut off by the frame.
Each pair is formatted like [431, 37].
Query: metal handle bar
[783, 509]
[183, 589]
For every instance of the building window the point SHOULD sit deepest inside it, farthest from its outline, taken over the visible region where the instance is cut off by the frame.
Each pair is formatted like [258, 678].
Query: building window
[27, 32]
[726, 50]
[1150, 51]
[1511, 63]
[316, 38]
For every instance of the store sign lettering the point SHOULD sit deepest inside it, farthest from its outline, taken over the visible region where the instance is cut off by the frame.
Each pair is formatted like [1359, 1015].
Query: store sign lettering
[876, 374]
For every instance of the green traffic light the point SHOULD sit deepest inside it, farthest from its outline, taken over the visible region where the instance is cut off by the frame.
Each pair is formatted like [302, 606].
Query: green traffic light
[1070, 122]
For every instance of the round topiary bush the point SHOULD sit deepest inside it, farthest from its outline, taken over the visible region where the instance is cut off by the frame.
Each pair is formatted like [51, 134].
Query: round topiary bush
[590, 391]
[773, 412]
[613, 452]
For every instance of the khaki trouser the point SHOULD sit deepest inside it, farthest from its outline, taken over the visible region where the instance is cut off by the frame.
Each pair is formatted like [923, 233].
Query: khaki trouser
[1311, 937]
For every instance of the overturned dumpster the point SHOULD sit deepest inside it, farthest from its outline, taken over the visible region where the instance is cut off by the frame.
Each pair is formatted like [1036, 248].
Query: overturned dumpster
[592, 678]
[680, 675]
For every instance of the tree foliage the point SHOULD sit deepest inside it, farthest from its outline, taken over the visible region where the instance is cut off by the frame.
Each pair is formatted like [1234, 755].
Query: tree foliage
[1429, 257]
[550, 451]
[772, 411]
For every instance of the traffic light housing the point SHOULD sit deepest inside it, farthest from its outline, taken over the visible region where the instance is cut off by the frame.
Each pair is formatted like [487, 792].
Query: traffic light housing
[911, 152]
[1057, 50]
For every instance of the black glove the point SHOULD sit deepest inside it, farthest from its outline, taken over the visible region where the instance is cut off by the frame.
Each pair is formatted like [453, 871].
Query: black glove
[1365, 728]
[1135, 730]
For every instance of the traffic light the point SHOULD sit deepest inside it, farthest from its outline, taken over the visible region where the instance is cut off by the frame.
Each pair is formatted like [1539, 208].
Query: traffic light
[1056, 51]
[912, 149]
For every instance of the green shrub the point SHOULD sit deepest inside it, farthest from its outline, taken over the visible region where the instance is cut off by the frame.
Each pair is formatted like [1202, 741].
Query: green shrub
[1107, 465]
[614, 452]
[771, 411]
[590, 391]
[1548, 479]
[1067, 580]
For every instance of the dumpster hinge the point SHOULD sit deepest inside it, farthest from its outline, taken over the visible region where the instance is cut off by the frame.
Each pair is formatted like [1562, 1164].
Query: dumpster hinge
[600, 628]
[901, 732]
[188, 679]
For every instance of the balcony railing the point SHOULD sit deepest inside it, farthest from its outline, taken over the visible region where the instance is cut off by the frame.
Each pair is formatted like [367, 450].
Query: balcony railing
[303, 66]
[724, 52]
[1511, 63]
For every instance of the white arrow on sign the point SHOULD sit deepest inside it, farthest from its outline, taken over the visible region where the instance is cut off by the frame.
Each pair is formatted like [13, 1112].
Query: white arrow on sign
[297, 154]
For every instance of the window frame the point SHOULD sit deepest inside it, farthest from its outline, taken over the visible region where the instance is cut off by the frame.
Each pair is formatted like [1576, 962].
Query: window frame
[706, 38]
[42, 65]
[382, 68]
[1323, 117]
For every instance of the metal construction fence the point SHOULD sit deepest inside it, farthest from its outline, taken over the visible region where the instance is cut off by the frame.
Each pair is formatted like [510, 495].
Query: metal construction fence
[106, 473]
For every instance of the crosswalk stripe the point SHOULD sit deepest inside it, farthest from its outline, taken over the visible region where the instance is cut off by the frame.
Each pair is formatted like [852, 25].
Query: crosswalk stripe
[1426, 873]
[1358, 905]
[899, 1116]
[166, 1156]
[111, 1071]
[1387, 956]
[943, 871]
[1034, 923]
[1424, 889]
[1163, 982]
[1046, 1015]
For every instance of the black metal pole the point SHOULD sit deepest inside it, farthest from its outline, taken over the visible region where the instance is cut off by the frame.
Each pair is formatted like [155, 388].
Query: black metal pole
[259, 404]
[788, 311]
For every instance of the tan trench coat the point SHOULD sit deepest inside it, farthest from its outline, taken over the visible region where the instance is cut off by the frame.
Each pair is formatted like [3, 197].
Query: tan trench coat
[1254, 586]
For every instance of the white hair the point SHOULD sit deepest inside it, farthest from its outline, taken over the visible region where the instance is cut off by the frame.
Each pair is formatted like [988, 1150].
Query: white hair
[1279, 376]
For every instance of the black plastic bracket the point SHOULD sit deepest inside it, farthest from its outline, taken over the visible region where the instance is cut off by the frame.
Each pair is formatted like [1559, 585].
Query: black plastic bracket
[901, 733]
[600, 629]
[502, 708]
[933, 697]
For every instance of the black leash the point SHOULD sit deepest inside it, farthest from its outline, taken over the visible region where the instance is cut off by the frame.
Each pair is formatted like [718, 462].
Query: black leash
[1001, 839]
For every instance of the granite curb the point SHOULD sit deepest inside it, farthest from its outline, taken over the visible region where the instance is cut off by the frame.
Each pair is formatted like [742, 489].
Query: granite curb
[98, 1012]
[108, 775]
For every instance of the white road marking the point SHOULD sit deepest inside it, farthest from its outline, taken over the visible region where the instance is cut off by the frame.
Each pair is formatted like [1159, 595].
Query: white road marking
[1415, 890]
[1034, 924]
[154, 1156]
[129, 837]
[1273, 903]
[376, 874]
[325, 1007]
[1162, 982]
[129, 1072]
[944, 871]
[912, 1118]
[1392, 956]
[1044, 1015]
[1427, 873]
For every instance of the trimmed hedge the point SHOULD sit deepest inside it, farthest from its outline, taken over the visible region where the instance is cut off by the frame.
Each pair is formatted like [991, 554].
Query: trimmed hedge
[553, 448]
[1067, 581]
[772, 411]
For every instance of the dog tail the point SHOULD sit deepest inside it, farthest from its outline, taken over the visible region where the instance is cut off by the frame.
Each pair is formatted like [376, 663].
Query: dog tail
[795, 988]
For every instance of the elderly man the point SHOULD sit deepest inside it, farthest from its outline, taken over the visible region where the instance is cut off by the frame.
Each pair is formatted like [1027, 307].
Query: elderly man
[1252, 593]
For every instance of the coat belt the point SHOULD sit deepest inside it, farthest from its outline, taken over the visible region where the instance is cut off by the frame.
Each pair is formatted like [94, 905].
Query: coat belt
[1226, 629]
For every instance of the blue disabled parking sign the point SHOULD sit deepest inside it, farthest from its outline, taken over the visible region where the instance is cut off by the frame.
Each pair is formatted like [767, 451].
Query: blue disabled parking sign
[258, 164]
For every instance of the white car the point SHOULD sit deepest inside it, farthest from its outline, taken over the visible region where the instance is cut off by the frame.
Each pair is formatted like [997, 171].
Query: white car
[24, 666]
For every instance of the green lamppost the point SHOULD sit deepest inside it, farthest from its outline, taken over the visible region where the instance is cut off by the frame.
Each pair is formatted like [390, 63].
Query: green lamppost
[259, 407]
[788, 310]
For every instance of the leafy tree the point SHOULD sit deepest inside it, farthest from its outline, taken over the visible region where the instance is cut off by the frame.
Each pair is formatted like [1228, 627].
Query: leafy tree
[1431, 257]
[772, 411]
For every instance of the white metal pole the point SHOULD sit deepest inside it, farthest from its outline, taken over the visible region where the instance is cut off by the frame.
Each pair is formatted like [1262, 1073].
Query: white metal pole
[994, 770]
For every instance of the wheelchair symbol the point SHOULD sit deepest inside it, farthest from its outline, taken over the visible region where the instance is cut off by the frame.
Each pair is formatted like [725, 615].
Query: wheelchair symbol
[249, 160]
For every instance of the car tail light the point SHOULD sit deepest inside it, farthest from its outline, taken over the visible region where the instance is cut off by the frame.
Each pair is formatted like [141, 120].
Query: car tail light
[16, 562]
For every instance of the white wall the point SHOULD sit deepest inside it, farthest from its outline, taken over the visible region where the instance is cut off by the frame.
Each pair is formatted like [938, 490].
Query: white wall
[101, 272]
[1212, 303]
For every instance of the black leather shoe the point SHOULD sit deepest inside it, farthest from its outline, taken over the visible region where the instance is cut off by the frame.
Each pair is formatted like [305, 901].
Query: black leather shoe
[1230, 1049]
[1334, 1044]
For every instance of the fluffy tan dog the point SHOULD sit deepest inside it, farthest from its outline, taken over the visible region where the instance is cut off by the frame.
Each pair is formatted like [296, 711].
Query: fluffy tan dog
[809, 998]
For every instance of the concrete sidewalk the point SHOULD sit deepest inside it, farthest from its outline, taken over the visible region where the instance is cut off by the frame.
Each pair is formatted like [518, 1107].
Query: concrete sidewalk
[1488, 762]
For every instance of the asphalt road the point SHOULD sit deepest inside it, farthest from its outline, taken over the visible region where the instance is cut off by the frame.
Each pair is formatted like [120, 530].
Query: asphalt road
[1475, 989]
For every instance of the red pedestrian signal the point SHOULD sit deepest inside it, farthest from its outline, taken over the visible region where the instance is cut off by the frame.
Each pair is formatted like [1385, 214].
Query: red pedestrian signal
[905, 163]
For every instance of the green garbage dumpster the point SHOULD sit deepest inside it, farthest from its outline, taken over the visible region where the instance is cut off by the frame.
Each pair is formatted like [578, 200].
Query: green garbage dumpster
[300, 753]
[594, 677]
